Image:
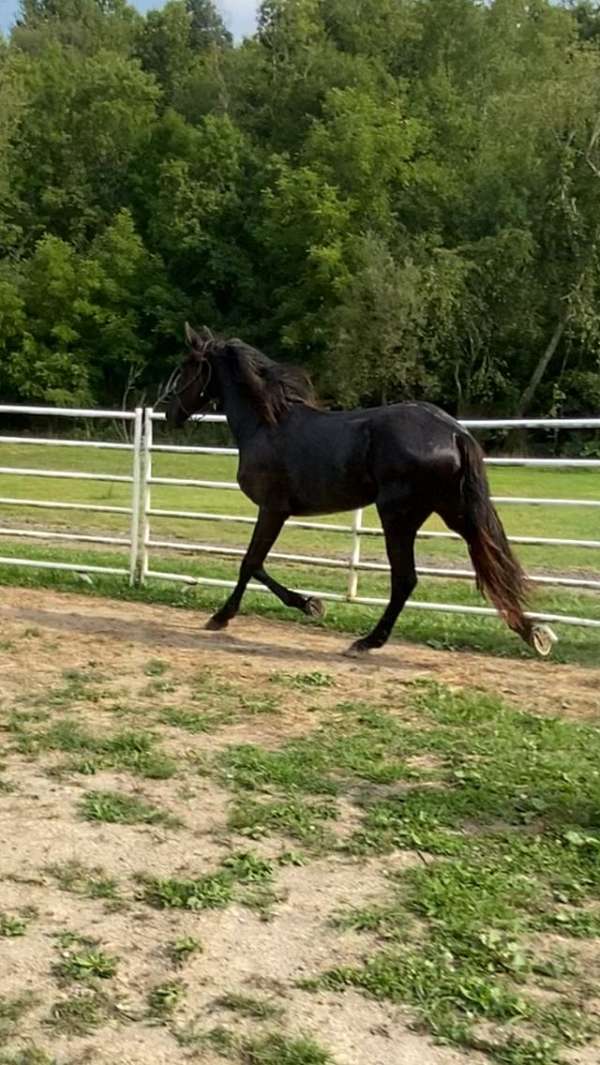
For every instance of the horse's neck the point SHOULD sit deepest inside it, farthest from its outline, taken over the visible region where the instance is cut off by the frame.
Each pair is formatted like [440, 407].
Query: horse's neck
[242, 418]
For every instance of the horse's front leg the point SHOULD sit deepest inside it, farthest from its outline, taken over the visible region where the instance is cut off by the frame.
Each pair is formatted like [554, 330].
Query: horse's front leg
[266, 531]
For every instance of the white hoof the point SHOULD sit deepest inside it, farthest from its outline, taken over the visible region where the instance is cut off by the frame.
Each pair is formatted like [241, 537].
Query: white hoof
[543, 639]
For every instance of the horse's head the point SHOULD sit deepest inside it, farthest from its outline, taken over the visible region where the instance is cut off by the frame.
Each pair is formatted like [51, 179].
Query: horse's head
[192, 387]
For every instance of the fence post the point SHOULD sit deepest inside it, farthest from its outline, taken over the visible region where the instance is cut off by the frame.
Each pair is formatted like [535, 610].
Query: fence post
[354, 555]
[145, 493]
[134, 549]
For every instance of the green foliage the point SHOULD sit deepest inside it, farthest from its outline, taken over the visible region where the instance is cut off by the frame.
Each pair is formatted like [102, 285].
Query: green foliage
[403, 196]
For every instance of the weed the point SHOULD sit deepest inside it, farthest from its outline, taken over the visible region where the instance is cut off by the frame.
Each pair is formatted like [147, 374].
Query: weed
[94, 964]
[11, 926]
[303, 681]
[182, 949]
[246, 868]
[164, 999]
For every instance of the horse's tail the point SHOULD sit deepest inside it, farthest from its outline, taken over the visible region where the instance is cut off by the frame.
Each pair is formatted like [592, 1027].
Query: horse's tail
[498, 573]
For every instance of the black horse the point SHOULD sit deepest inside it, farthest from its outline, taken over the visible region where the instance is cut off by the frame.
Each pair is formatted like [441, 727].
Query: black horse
[410, 459]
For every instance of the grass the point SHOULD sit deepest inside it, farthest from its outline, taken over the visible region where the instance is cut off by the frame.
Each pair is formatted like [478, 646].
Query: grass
[194, 721]
[511, 840]
[79, 879]
[258, 1009]
[277, 1049]
[293, 818]
[12, 1009]
[115, 808]
[130, 749]
[211, 891]
[496, 809]
[272, 1048]
[304, 681]
[29, 1055]
[81, 1013]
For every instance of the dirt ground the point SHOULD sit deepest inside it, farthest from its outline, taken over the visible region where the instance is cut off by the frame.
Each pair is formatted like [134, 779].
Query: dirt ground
[45, 637]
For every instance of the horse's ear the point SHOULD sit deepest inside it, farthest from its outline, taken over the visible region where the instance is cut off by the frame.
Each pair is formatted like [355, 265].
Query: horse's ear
[197, 341]
[191, 338]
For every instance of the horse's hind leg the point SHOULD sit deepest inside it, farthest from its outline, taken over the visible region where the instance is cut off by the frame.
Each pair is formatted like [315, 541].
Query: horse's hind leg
[400, 526]
[307, 604]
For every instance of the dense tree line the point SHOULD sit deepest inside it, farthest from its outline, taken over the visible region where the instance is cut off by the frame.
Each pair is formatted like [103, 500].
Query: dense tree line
[403, 195]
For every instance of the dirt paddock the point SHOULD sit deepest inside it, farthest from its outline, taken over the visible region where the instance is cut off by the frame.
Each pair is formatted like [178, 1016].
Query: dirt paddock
[103, 665]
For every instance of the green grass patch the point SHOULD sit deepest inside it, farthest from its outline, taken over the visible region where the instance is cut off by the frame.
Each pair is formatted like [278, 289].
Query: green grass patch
[135, 751]
[194, 721]
[509, 833]
[293, 818]
[303, 681]
[278, 1049]
[211, 891]
[358, 743]
[116, 808]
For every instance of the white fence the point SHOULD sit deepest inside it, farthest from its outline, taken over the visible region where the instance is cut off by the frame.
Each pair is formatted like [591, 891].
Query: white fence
[141, 544]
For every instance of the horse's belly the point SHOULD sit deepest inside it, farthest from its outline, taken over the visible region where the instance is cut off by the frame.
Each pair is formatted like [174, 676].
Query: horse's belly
[330, 498]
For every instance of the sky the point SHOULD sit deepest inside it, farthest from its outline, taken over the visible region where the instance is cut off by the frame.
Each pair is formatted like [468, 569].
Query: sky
[240, 15]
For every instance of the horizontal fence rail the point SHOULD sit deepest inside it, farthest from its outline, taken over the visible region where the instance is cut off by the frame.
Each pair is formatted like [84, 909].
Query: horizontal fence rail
[141, 544]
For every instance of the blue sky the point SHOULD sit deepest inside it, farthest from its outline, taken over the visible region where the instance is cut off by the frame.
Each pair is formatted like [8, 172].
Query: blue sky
[239, 14]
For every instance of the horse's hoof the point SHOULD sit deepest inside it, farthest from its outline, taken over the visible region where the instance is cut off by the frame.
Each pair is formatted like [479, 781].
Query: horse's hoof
[543, 639]
[315, 608]
[358, 649]
[215, 624]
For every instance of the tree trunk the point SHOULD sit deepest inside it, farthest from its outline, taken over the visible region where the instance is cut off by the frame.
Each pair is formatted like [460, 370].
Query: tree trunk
[540, 369]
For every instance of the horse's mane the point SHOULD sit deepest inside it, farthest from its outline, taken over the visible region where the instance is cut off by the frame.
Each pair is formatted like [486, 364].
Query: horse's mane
[272, 386]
